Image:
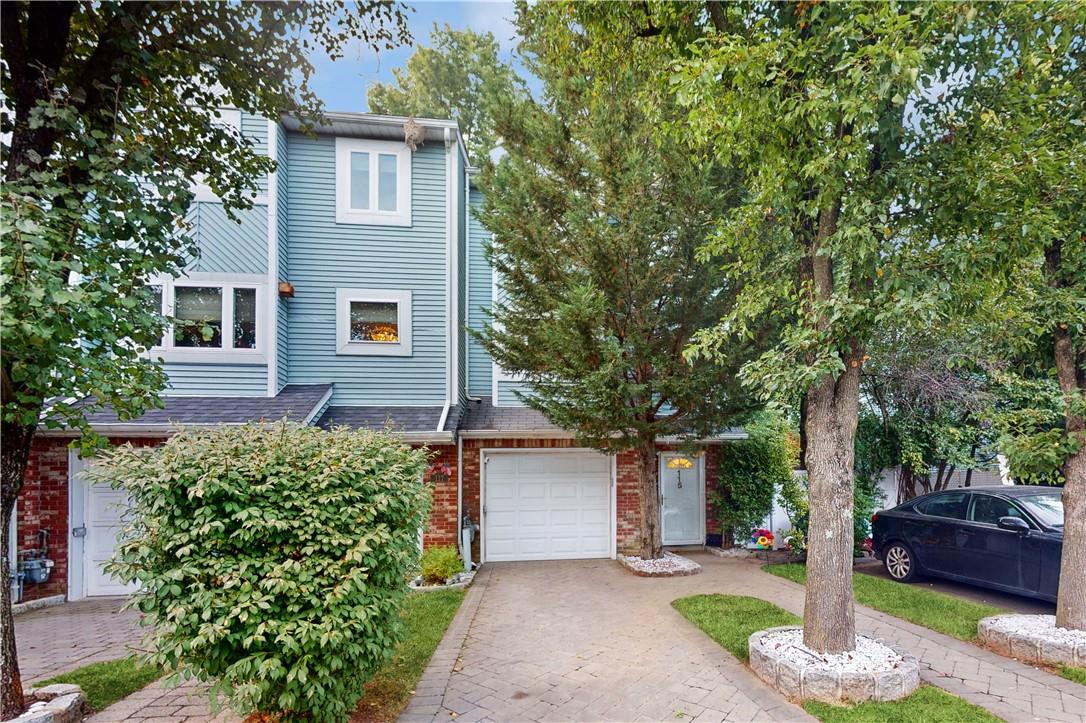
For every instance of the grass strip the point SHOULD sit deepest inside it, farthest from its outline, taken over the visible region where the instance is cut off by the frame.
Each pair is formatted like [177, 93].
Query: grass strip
[731, 619]
[943, 613]
[106, 683]
[426, 616]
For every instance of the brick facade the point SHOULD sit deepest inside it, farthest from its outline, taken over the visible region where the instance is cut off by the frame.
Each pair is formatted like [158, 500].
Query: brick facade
[43, 503]
[627, 496]
[442, 528]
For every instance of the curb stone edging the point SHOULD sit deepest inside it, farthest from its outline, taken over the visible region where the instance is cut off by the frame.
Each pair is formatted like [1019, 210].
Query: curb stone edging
[1029, 646]
[57, 703]
[38, 604]
[813, 683]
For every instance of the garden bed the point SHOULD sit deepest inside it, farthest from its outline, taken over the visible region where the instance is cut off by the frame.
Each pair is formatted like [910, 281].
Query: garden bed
[459, 581]
[667, 565]
[1035, 639]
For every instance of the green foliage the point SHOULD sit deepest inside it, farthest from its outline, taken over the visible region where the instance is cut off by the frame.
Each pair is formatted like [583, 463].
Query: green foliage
[425, 618]
[1076, 674]
[1029, 417]
[459, 77]
[928, 703]
[106, 683]
[943, 613]
[796, 503]
[104, 129]
[730, 620]
[749, 473]
[440, 563]
[271, 560]
[596, 225]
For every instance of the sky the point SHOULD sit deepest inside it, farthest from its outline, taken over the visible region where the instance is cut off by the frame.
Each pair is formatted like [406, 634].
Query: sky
[342, 84]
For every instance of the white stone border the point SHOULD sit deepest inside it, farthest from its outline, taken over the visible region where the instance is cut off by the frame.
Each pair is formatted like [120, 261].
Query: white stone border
[830, 686]
[38, 604]
[1028, 643]
[463, 579]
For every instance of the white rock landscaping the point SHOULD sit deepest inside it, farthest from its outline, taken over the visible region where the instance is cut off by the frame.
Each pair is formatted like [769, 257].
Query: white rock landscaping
[1034, 638]
[57, 703]
[669, 565]
[458, 581]
[875, 670]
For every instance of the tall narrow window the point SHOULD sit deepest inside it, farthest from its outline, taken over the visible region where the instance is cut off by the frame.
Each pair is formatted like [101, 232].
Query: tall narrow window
[386, 182]
[360, 181]
[198, 310]
[245, 318]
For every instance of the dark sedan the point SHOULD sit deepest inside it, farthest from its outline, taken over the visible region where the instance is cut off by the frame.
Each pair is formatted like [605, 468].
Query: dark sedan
[1008, 538]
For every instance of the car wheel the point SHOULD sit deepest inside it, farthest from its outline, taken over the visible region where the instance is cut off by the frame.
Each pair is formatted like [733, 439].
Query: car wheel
[900, 563]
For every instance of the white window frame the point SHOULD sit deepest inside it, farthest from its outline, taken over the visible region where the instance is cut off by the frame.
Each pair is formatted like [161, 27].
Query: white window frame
[344, 345]
[167, 350]
[372, 216]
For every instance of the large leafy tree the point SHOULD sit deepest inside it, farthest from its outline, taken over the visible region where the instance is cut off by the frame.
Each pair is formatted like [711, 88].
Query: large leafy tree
[809, 101]
[1011, 193]
[108, 117]
[458, 76]
[596, 227]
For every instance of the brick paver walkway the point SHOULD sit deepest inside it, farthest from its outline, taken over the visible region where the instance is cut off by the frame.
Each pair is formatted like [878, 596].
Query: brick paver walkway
[576, 641]
[586, 641]
[57, 639]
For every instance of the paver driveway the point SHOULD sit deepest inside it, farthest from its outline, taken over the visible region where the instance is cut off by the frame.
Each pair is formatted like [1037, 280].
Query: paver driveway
[586, 641]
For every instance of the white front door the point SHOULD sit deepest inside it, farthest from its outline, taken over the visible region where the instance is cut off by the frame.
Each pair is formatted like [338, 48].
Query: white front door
[102, 511]
[553, 505]
[682, 508]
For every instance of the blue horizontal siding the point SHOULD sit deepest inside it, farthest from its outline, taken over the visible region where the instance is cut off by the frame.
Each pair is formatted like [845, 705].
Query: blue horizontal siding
[324, 256]
[480, 370]
[227, 246]
[226, 380]
[506, 393]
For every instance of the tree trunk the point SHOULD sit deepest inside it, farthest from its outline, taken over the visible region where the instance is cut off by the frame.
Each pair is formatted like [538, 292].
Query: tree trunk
[1071, 598]
[14, 452]
[829, 617]
[651, 541]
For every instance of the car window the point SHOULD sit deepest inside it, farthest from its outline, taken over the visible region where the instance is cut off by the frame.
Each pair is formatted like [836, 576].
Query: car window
[988, 509]
[1047, 507]
[950, 505]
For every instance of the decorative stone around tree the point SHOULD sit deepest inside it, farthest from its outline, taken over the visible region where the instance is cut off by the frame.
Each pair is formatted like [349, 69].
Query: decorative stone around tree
[1034, 639]
[57, 703]
[667, 565]
[875, 670]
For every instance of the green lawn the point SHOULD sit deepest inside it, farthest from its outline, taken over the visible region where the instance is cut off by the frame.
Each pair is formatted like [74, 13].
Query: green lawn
[927, 705]
[731, 619]
[1076, 674]
[944, 613]
[426, 616]
[106, 683]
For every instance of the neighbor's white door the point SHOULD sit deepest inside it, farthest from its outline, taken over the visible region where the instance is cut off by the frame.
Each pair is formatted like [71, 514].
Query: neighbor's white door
[103, 510]
[547, 506]
[683, 504]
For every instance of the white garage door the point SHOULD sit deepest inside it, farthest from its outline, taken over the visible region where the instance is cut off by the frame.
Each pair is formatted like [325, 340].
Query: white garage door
[547, 506]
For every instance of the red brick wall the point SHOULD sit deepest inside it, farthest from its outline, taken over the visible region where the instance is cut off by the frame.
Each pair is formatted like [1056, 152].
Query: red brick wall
[627, 496]
[442, 528]
[43, 505]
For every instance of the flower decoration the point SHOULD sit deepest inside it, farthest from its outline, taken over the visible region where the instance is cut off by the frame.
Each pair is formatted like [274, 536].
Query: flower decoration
[438, 471]
[762, 539]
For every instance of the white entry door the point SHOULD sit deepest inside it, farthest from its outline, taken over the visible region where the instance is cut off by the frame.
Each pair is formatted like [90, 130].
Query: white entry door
[102, 510]
[683, 500]
[553, 505]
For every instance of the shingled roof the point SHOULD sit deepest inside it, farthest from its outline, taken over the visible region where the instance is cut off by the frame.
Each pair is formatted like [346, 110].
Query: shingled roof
[295, 402]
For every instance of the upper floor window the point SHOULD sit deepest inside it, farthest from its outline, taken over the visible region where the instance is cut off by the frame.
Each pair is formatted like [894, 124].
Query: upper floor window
[216, 318]
[373, 182]
[373, 322]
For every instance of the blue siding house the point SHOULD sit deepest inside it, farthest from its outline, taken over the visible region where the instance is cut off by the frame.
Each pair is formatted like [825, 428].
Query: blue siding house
[344, 297]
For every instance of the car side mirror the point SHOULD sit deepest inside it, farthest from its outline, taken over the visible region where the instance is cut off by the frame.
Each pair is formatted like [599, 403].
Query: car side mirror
[1014, 524]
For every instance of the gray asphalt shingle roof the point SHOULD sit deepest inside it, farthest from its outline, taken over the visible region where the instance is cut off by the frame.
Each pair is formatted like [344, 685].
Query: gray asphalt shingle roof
[483, 415]
[294, 402]
[399, 419]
